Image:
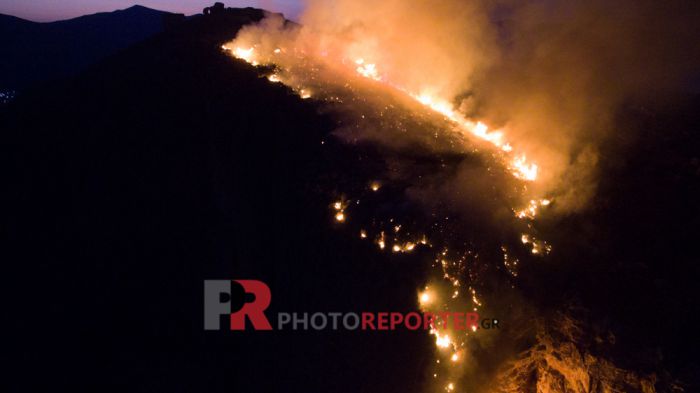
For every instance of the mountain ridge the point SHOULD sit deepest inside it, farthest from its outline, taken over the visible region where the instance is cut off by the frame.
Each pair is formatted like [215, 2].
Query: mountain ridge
[135, 7]
[36, 52]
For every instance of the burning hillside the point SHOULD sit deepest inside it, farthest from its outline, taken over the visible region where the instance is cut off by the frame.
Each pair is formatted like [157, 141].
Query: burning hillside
[470, 193]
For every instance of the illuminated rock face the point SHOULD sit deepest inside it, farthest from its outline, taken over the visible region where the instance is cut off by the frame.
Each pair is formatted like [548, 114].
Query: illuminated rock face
[557, 363]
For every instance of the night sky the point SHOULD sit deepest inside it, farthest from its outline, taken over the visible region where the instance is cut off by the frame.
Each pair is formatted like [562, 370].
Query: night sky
[51, 10]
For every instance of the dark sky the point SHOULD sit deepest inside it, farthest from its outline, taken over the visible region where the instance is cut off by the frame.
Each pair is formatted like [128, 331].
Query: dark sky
[50, 10]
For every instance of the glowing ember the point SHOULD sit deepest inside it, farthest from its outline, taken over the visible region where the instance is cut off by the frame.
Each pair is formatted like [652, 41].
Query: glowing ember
[374, 186]
[424, 298]
[380, 241]
[340, 217]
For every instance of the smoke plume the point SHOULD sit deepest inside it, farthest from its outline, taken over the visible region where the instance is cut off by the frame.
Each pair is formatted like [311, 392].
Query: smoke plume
[551, 74]
[565, 68]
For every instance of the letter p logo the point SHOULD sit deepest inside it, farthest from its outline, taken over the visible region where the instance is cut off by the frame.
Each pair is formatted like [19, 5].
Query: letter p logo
[217, 302]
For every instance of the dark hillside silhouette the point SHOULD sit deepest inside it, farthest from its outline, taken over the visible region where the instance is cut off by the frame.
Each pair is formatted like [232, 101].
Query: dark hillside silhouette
[172, 163]
[32, 52]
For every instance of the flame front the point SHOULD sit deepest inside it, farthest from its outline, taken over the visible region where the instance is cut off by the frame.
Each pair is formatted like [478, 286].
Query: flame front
[517, 162]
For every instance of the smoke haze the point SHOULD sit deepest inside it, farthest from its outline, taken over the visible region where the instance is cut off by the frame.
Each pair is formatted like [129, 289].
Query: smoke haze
[550, 74]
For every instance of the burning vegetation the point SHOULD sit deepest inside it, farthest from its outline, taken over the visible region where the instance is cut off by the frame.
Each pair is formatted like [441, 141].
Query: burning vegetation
[473, 81]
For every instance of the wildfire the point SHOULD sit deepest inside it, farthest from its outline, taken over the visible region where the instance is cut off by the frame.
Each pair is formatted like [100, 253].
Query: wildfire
[406, 247]
[539, 247]
[367, 70]
[442, 341]
[244, 54]
[523, 170]
[425, 297]
[403, 240]
[532, 208]
[518, 164]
